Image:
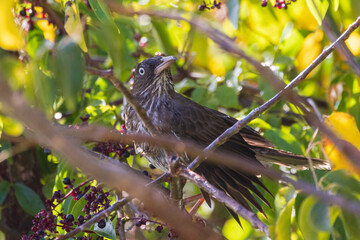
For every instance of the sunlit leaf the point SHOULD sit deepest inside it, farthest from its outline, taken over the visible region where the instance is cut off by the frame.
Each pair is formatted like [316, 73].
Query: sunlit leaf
[283, 224]
[48, 29]
[311, 48]
[318, 8]
[232, 231]
[11, 126]
[28, 199]
[73, 24]
[345, 127]
[353, 43]
[10, 35]
[305, 224]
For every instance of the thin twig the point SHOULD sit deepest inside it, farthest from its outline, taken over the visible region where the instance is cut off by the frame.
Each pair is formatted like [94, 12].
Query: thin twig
[311, 165]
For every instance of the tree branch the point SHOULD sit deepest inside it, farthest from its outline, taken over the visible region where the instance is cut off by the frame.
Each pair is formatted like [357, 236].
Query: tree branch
[226, 200]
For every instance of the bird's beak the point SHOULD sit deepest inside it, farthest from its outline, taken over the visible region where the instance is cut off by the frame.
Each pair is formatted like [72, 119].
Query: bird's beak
[166, 62]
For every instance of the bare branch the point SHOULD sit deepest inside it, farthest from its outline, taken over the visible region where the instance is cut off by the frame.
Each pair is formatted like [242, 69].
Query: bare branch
[223, 198]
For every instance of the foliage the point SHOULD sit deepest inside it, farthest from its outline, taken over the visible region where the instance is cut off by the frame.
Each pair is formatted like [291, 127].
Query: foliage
[44, 56]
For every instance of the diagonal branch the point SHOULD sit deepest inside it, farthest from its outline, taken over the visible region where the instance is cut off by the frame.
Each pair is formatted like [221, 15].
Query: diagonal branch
[223, 198]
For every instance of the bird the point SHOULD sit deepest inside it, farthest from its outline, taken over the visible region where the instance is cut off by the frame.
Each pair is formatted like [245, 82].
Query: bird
[175, 115]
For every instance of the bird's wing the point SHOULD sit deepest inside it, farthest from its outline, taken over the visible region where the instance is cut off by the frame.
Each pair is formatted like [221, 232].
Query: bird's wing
[191, 121]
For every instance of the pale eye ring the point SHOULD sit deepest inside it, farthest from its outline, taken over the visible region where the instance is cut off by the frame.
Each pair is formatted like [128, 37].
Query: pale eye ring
[141, 71]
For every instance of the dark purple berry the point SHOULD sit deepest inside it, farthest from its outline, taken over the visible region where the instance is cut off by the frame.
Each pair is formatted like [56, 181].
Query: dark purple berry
[66, 181]
[159, 228]
[23, 12]
[145, 173]
[126, 154]
[70, 217]
[79, 196]
[47, 151]
[102, 223]
[81, 218]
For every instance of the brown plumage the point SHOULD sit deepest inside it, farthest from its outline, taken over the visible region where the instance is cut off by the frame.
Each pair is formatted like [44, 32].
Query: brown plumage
[176, 115]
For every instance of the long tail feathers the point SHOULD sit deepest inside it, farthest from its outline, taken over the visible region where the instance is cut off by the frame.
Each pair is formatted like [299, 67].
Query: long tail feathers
[273, 156]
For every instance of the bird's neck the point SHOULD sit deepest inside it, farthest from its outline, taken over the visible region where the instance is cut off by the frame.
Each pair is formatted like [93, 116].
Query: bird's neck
[159, 92]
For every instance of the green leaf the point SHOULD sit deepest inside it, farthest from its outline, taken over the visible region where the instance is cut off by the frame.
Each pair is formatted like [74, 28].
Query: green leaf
[351, 223]
[69, 72]
[342, 179]
[318, 9]
[199, 95]
[76, 210]
[232, 231]
[4, 189]
[283, 224]
[283, 140]
[305, 225]
[320, 217]
[162, 37]
[28, 199]
[108, 231]
[101, 11]
[233, 7]
[227, 96]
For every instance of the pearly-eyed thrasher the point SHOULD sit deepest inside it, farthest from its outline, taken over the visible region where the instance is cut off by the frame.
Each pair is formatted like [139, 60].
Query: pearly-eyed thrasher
[175, 115]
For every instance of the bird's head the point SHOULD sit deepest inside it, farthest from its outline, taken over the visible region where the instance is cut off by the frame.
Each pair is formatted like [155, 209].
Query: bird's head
[154, 74]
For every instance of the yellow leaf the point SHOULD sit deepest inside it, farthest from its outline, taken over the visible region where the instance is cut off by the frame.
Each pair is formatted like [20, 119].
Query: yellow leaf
[11, 127]
[73, 24]
[353, 42]
[10, 34]
[48, 29]
[310, 50]
[345, 127]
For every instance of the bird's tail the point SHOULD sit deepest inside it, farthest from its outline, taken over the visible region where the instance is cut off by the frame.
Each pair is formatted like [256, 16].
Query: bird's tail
[273, 156]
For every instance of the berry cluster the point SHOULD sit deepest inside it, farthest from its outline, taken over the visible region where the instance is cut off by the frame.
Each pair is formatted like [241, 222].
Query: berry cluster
[204, 6]
[280, 4]
[142, 221]
[96, 199]
[49, 218]
[29, 13]
[107, 148]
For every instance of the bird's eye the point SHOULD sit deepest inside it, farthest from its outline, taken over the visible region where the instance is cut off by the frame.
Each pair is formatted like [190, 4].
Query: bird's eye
[141, 71]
